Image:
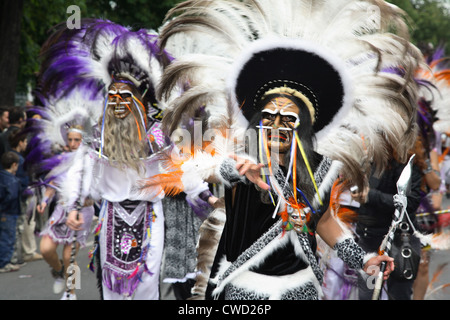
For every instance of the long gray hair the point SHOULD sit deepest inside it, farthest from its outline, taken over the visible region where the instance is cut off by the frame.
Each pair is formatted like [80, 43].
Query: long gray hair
[122, 145]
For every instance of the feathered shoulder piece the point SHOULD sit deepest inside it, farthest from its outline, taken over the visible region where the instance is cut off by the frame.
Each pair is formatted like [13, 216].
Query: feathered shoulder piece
[351, 59]
[436, 88]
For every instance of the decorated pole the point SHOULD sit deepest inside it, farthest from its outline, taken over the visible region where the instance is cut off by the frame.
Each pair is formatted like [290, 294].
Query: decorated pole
[73, 253]
[400, 202]
[71, 267]
[435, 212]
[87, 139]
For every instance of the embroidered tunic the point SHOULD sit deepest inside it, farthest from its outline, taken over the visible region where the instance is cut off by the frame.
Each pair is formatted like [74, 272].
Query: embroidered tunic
[131, 235]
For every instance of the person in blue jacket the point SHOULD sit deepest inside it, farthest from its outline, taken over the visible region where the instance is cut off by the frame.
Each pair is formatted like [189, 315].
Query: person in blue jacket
[10, 190]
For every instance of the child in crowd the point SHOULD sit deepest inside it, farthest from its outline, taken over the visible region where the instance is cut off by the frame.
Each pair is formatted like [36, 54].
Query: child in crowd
[10, 191]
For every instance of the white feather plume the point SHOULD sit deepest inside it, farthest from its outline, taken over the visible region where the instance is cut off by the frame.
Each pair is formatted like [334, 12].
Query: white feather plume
[208, 37]
[72, 110]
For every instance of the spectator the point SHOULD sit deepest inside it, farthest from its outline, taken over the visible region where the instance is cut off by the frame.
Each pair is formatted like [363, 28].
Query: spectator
[10, 190]
[17, 141]
[4, 124]
[17, 119]
[25, 239]
[4, 118]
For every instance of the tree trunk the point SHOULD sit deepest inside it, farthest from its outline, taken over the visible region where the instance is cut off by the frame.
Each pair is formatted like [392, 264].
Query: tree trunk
[10, 21]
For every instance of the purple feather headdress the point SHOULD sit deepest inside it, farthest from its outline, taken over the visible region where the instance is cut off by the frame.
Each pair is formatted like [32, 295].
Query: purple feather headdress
[78, 66]
[90, 56]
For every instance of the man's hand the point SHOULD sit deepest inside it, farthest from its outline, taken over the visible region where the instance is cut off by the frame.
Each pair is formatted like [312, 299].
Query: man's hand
[251, 170]
[74, 220]
[376, 261]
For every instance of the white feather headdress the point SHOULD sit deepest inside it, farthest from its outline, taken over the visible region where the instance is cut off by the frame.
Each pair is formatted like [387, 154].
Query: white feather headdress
[365, 41]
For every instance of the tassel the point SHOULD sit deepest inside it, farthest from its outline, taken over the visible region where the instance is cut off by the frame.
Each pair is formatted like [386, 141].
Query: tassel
[103, 128]
[147, 270]
[97, 229]
[91, 266]
[263, 147]
[135, 271]
[305, 159]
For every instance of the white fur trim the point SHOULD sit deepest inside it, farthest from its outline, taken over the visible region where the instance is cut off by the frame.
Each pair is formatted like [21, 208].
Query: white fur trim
[368, 256]
[258, 259]
[274, 287]
[269, 43]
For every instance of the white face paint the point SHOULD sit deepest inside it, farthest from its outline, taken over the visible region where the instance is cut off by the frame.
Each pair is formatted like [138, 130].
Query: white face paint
[279, 117]
[119, 97]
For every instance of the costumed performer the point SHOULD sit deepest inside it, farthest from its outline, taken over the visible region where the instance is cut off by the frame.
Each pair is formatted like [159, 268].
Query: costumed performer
[57, 232]
[433, 120]
[304, 89]
[124, 67]
[57, 132]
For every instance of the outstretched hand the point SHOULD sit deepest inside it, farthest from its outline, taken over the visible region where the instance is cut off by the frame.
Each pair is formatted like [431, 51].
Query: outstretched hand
[251, 170]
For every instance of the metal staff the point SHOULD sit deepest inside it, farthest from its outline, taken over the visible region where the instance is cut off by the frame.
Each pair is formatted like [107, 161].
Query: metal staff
[400, 202]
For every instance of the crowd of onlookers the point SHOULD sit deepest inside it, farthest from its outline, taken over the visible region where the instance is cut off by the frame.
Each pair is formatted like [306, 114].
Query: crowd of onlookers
[17, 226]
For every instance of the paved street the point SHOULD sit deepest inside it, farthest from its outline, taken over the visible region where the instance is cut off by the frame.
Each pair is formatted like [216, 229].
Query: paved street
[34, 282]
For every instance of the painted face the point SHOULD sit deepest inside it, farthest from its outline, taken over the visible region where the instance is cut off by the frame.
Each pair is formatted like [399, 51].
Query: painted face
[120, 98]
[73, 140]
[282, 114]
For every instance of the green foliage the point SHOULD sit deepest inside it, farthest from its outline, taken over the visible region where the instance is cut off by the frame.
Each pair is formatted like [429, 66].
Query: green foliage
[40, 16]
[133, 13]
[430, 20]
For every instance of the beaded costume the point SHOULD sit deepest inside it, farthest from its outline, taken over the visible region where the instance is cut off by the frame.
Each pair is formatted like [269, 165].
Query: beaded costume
[115, 70]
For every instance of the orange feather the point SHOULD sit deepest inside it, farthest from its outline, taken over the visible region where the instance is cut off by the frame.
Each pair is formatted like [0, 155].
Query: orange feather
[169, 182]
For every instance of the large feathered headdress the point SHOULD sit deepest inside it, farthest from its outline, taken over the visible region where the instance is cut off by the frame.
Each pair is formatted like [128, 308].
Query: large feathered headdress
[49, 132]
[351, 59]
[78, 66]
[94, 54]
